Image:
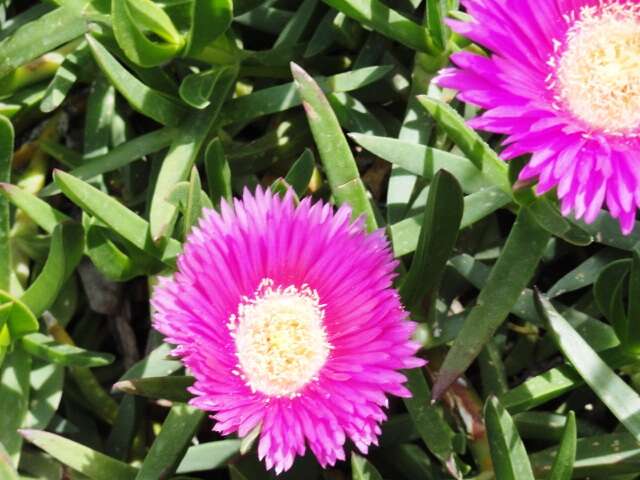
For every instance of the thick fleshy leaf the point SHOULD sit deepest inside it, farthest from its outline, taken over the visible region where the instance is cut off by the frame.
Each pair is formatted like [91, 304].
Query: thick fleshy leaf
[438, 235]
[509, 277]
[118, 157]
[16, 317]
[14, 398]
[479, 205]
[128, 24]
[173, 388]
[171, 443]
[510, 461]
[209, 20]
[208, 456]
[147, 101]
[6, 152]
[182, 155]
[112, 213]
[602, 455]
[43, 214]
[39, 37]
[218, 172]
[283, 97]
[619, 397]
[377, 16]
[362, 469]
[67, 246]
[429, 421]
[93, 464]
[467, 140]
[335, 154]
[563, 464]
[46, 348]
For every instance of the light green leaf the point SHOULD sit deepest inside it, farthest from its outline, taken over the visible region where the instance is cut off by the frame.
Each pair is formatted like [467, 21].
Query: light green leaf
[46, 348]
[208, 456]
[209, 20]
[14, 398]
[115, 215]
[563, 464]
[183, 153]
[335, 154]
[147, 101]
[39, 37]
[128, 27]
[43, 214]
[377, 16]
[19, 319]
[510, 461]
[67, 246]
[6, 152]
[619, 397]
[467, 140]
[425, 161]
[91, 463]
[362, 469]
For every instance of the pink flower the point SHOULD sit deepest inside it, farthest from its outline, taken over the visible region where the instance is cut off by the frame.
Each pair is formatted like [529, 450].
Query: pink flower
[563, 83]
[287, 319]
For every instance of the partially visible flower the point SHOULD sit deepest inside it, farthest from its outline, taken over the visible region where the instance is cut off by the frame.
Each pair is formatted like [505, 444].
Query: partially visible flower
[563, 83]
[287, 319]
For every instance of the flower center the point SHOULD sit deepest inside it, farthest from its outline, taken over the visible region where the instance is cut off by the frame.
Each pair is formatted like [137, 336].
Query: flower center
[599, 71]
[280, 338]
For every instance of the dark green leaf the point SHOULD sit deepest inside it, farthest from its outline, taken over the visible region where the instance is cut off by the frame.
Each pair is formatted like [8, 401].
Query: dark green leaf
[438, 235]
[510, 275]
[171, 443]
[218, 172]
[173, 388]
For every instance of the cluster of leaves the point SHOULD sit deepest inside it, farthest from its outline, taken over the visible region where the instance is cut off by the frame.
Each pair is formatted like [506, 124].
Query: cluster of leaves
[111, 115]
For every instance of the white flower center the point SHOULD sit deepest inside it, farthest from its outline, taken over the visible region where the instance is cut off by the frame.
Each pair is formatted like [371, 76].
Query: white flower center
[598, 72]
[280, 339]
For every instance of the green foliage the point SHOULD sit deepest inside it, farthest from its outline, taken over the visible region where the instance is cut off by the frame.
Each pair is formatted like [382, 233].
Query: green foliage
[121, 121]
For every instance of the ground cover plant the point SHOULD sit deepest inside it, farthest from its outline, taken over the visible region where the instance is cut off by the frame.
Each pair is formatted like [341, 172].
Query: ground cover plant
[308, 166]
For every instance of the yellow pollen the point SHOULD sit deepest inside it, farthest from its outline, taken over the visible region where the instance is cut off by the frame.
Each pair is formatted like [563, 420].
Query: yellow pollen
[281, 342]
[599, 71]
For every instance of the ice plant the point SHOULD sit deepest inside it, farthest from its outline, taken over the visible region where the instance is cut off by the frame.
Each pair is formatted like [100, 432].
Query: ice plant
[563, 83]
[286, 317]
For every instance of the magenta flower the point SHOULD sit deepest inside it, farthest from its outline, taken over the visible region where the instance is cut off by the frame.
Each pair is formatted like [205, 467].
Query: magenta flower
[287, 319]
[564, 84]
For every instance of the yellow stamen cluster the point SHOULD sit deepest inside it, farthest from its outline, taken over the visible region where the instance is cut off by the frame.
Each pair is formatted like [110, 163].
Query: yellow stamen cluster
[598, 73]
[280, 339]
